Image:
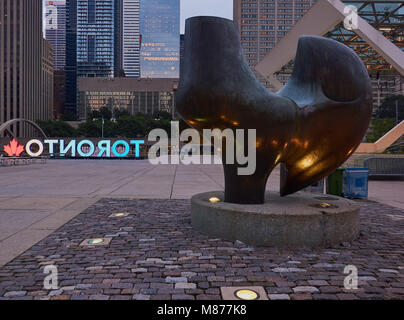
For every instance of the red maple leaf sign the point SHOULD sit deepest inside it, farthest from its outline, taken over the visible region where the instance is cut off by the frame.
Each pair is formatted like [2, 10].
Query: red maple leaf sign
[14, 148]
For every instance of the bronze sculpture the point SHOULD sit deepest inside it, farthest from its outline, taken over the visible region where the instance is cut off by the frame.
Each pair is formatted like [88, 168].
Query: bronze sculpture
[311, 126]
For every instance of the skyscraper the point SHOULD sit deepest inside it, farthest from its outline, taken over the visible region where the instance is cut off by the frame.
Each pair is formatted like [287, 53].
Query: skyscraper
[55, 30]
[182, 52]
[262, 23]
[71, 58]
[131, 37]
[95, 38]
[26, 65]
[118, 38]
[55, 33]
[160, 43]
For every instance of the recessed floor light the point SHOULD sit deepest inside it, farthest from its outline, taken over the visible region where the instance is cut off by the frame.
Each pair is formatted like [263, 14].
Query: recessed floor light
[246, 294]
[214, 200]
[119, 215]
[243, 293]
[324, 205]
[96, 242]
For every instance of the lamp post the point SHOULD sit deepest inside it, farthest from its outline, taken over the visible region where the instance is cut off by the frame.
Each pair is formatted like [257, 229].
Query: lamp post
[102, 127]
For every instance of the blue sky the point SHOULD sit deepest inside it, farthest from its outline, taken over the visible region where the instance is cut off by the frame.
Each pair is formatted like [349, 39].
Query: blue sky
[218, 8]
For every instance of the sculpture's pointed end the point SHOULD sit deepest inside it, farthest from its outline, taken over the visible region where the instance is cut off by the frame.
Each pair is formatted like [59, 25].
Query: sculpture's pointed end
[288, 184]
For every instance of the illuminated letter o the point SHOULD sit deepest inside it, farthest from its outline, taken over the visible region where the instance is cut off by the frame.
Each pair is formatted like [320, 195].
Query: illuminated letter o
[89, 153]
[28, 148]
[125, 144]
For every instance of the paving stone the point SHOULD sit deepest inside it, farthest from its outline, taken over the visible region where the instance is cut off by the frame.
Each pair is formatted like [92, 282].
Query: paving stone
[141, 297]
[183, 297]
[183, 264]
[15, 294]
[188, 274]
[308, 289]
[318, 283]
[82, 286]
[176, 279]
[55, 292]
[288, 270]
[367, 278]
[185, 285]
[99, 297]
[279, 297]
[301, 296]
[388, 270]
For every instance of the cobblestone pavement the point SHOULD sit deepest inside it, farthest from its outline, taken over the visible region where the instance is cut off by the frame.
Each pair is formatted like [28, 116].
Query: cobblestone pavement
[155, 254]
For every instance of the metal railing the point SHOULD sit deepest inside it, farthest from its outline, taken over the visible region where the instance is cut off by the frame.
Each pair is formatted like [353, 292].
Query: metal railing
[21, 161]
[385, 166]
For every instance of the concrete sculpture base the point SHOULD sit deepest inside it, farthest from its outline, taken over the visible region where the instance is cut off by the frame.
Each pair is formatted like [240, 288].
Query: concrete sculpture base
[299, 220]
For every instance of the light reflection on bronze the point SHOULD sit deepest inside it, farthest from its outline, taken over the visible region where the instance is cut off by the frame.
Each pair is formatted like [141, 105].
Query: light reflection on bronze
[311, 126]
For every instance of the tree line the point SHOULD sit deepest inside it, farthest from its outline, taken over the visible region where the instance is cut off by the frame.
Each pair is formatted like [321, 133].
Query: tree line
[110, 124]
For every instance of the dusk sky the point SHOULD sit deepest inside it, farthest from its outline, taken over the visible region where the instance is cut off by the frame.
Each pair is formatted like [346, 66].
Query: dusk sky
[218, 8]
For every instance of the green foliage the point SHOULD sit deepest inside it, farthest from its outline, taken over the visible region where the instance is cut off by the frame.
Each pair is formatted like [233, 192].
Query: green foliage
[378, 128]
[162, 115]
[90, 129]
[106, 113]
[388, 107]
[131, 127]
[58, 129]
[95, 114]
[121, 125]
[69, 116]
[118, 113]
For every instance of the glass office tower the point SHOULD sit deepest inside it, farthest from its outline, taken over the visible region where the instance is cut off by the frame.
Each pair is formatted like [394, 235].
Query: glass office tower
[95, 38]
[160, 38]
[71, 57]
[55, 30]
[131, 38]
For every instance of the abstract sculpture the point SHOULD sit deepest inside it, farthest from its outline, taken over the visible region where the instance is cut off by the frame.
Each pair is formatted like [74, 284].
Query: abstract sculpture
[311, 126]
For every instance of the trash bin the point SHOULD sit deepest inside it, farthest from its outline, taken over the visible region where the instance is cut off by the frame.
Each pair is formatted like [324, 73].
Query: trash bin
[334, 182]
[355, 183]
[317, 187]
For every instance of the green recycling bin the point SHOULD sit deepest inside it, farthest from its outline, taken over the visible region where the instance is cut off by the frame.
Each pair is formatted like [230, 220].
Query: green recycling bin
[335, 181]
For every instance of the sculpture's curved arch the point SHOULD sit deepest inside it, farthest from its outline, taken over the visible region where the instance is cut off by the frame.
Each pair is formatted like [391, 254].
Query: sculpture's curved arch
[8, 123]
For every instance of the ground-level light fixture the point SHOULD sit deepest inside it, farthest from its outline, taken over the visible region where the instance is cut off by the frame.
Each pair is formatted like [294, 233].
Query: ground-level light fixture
[119, 215]
[214, 200]
[324, 205]
[246, 294]
[250, 293]
[96, 242]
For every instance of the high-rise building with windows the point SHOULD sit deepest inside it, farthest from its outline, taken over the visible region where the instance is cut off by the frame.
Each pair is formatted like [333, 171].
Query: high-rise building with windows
[118, 38]
[262, 23]
[55, 30]
[70, 106]
[182, 52]
[160, 38]
[95, 38]
[131, 37]
[55, 33]
[26, 65]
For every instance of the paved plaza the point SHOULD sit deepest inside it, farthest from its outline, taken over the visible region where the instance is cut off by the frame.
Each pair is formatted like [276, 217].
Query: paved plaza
[46, 211]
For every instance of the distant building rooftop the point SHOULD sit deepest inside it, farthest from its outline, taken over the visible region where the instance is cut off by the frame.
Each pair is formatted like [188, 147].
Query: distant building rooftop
[132, 94]
[127, 84]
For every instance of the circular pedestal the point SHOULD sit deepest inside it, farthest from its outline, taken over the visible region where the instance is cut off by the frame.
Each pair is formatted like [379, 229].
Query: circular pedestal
[298, 220]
